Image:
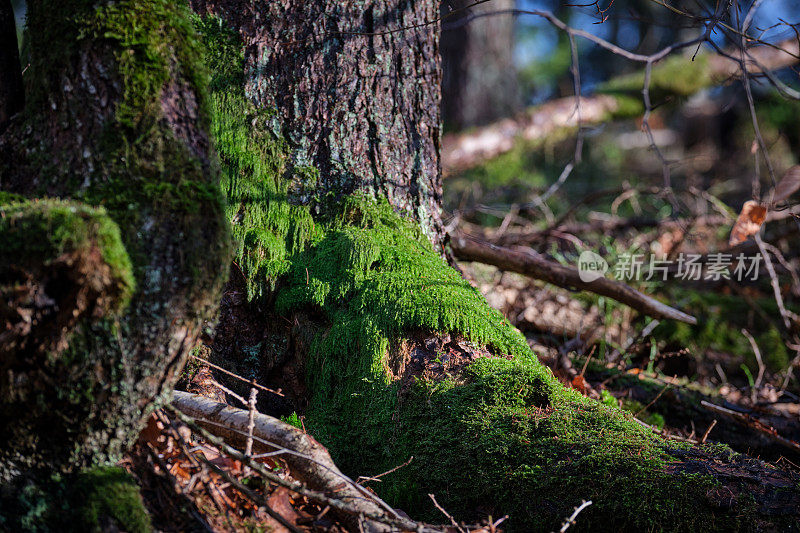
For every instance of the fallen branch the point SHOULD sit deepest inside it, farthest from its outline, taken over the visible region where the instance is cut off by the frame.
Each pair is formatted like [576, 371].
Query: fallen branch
[533, 265]
[754, 424]
[308, 460]
[613, 224]
[558, 118]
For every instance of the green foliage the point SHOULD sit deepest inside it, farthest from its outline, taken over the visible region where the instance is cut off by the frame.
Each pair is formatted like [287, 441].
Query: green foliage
[293, 419]
[606, 398]
[718, 328]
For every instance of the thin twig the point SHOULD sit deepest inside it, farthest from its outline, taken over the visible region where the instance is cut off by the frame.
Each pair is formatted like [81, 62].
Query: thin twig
[571, 520]
[654, 400]
[448, 515]
[377, 477]
[710, 427]
[237, 376]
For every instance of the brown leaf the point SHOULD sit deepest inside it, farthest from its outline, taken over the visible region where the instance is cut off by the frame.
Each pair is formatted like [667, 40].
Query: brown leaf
[788, 185]
[748, 223]
[580, 384]
[152, 432]
[279, 502]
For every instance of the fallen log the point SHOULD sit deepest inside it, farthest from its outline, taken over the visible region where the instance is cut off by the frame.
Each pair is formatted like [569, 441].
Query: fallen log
[558, 118]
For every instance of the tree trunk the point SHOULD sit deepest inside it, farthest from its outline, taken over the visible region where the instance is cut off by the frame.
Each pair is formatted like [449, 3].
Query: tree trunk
[115, 122]
[479, 81]
[357, 105]
[334, 219]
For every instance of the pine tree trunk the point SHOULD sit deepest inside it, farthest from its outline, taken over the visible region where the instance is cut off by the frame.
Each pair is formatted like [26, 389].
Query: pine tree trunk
[113, 240]
[358, 104]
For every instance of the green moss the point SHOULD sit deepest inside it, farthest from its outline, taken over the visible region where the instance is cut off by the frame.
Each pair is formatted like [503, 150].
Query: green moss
[109, 493]
[32, 234]
[135, 32]
[502, 434]
[267, 228]
[676, 75]
[98, 499]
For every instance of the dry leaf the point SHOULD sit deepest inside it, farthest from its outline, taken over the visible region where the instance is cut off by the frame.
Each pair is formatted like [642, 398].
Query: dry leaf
[788, 185]
[580, 384]
[152, 431]
[279, 502]
[749, 222]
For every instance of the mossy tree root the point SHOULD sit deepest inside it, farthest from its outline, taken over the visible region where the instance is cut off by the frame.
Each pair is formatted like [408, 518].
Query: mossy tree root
[62, 262]
[423, 367]
[403, 357]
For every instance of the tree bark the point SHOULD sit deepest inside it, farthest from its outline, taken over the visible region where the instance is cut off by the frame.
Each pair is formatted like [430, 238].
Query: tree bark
[358, 104]
[12, 96]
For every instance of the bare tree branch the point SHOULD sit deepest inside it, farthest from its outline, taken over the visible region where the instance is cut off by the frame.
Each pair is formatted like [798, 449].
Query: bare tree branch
[469, 249]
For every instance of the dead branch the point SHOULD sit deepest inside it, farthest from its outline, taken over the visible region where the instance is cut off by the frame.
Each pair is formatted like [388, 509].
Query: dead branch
[752, 423]
[309, 461]
[533, 265]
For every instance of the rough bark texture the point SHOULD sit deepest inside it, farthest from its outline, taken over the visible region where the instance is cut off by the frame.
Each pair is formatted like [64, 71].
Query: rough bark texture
[479, 81]
[116, 116]
[358, 104]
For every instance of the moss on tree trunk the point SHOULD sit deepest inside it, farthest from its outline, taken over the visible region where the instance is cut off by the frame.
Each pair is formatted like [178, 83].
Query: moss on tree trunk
[115, 132]
[403, 357]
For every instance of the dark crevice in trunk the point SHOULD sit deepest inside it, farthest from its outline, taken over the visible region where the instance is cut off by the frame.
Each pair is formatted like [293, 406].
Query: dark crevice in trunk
[12, 94]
